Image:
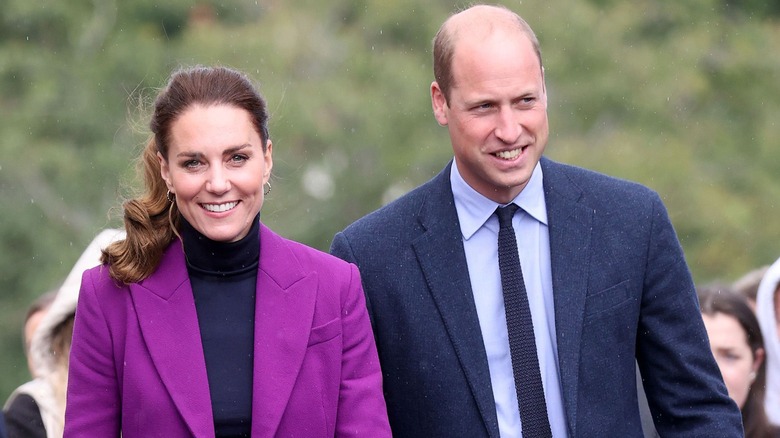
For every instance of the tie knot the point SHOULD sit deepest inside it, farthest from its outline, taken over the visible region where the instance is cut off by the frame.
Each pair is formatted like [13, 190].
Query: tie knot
[505, 215]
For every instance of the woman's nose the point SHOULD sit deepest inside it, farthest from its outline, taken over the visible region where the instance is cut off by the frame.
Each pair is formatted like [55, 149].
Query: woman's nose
[218, 181]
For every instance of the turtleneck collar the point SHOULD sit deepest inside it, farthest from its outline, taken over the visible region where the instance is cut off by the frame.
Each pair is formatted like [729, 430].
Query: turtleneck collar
[221, 258]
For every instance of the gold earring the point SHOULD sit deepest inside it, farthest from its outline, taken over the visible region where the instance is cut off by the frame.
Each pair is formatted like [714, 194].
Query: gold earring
[268, 190]
[171, 197]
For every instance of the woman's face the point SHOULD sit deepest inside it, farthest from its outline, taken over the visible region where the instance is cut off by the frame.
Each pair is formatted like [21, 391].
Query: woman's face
[728, 341]
[216, 167]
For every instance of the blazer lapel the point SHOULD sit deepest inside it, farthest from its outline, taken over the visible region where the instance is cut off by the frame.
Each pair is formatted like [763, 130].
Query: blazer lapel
[166, 314]
[284, 311]
[569, 227]
[443, 262]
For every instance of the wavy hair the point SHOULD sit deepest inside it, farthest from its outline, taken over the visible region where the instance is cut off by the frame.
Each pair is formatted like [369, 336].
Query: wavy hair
[151, 219]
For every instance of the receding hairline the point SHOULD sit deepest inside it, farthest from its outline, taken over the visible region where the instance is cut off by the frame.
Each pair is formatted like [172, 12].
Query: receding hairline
[482, 20]
[481, 15]
[476, 23]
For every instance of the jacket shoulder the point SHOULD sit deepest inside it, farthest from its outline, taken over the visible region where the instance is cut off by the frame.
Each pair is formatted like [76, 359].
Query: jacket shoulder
[596, 189]
[312, 258]
[399, 214]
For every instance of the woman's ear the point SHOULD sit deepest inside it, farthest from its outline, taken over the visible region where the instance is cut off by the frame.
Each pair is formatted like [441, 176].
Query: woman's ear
[758, 359]
[165, 171]
[269, 160]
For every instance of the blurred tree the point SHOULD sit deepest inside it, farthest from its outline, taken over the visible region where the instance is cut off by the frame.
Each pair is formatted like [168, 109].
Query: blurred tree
[681, 96]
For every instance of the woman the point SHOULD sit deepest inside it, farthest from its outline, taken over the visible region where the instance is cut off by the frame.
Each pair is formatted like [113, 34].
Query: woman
[37, 408]
[737, 344]
[204, 322]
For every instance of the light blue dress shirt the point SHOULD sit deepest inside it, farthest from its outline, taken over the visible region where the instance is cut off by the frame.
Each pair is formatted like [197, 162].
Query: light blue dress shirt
[479, 226]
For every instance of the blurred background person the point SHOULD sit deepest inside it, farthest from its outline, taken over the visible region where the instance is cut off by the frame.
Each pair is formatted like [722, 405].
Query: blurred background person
[3, 433]
[37, 408]
[747, 285]
[768, 311]
[737, 344]
[205, 322]
[32, 320]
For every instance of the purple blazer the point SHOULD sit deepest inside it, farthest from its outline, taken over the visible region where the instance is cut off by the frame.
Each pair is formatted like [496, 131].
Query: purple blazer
[137, 364]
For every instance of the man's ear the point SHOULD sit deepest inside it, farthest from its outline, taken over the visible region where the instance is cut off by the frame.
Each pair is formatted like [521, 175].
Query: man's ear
[439, 103]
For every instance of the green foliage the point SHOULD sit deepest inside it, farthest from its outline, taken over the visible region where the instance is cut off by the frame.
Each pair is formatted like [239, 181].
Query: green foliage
[680, 96]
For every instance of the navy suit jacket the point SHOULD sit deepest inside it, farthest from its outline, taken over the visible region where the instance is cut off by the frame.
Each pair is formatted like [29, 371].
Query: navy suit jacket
[623, 295]
[3, 433]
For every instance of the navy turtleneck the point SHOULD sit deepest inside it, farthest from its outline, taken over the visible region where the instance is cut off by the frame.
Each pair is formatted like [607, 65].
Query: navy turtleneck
[224, 279]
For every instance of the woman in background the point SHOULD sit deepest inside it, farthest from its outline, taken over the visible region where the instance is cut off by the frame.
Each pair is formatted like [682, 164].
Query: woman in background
[37, 408]
[32, 320]
[737, 344]
[203, 322]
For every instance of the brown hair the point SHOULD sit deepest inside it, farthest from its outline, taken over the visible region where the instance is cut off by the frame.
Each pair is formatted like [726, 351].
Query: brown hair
[151, 219]
[716, 298]
[42, 303]
[444, 47]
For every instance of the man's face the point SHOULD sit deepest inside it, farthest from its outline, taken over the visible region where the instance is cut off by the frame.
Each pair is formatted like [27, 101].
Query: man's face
[496, 113]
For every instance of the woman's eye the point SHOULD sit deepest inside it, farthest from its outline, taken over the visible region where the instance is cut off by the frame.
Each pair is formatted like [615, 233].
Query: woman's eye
[238, 158]
[190, 164]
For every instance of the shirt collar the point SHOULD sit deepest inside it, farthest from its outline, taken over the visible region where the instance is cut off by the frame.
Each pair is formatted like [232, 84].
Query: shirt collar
[475, 209]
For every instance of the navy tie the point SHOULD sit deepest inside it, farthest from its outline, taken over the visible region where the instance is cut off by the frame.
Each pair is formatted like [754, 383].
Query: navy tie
[522, 344]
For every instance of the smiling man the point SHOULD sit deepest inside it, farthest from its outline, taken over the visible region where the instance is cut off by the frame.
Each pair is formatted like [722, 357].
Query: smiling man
[512, 295]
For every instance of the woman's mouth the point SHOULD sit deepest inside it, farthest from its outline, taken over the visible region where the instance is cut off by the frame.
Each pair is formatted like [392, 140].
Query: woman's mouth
[219, 208]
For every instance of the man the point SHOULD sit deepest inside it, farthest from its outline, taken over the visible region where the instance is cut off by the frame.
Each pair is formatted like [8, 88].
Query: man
[606, 283]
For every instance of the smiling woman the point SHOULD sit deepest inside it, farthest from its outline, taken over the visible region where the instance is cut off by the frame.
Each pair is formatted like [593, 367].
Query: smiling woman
[216, 155]
[738, 347]
[203, 322]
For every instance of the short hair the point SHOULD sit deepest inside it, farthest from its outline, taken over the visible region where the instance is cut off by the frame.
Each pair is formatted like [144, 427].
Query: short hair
[444, 48]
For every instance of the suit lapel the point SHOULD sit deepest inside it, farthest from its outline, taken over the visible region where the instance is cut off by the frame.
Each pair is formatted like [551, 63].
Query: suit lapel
[570, 224]
[166, 314]
[442, 259]
[284, 311]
